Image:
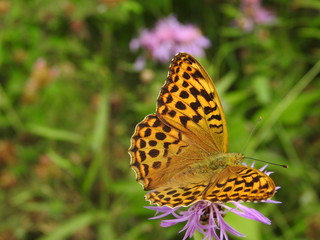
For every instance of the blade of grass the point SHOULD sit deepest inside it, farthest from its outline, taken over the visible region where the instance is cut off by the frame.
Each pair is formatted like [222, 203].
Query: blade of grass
[98, 140]
[282, 105]
[54, 133]
[75, 224]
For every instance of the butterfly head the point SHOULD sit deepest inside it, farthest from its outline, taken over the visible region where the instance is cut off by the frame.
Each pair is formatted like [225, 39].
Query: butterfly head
[236, 158]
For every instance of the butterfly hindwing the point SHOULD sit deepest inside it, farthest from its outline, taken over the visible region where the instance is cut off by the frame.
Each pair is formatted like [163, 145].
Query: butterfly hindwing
[234, 183]
[240, 183]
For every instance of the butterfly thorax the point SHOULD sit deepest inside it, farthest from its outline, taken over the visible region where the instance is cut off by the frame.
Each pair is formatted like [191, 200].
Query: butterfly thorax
[222, 160]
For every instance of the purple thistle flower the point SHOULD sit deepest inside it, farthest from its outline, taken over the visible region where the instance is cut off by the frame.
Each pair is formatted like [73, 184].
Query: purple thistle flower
[169, 37]
[208, 218]
[254, 14]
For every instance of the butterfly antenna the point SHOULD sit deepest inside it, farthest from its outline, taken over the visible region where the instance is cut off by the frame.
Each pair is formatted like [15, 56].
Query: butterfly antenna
[251, 133]
[259, 160]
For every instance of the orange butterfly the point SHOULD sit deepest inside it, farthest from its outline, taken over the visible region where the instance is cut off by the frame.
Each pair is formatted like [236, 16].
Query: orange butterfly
[181, 151]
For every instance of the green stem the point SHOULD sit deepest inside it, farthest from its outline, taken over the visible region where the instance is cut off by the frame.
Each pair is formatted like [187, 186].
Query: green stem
[9, 112]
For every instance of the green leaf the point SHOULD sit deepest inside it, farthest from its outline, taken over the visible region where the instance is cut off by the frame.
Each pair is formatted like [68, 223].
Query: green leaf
[67, 228]
[262, 89]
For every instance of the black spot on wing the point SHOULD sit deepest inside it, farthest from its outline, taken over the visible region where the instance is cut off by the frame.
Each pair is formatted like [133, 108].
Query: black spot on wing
[180, 105]
[195, 105]
[184, 120]
[156, 165]
[154, 153]
[185, 75]
[197, 74]
[160, 136]
[195, 92]
[146, 169]
[166, 128]
[169, 99]
[185, 84]
[142, 155]
[216, 117]
[172, 113]
[208, 110]
[174, 89]
[152, 143]
[184, 94]
[143, 143]
[147, 133]
[205, 95]
[196, 118]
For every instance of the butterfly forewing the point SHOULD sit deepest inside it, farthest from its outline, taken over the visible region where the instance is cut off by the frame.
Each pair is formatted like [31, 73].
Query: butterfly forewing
[189, 102]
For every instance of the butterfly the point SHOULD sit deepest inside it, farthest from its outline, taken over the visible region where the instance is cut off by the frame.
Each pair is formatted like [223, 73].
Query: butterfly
[180, 153]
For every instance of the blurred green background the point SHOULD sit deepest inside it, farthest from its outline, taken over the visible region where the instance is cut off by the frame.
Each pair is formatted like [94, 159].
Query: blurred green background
[70, 99]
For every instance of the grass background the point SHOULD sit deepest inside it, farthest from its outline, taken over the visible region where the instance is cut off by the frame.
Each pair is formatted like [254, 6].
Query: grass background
[70, 99]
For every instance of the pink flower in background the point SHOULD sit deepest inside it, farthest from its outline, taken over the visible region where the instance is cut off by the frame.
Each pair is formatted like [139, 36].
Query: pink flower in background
[168, 38]
[254, 14]
[41, 76]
